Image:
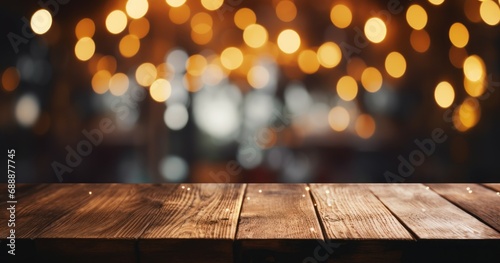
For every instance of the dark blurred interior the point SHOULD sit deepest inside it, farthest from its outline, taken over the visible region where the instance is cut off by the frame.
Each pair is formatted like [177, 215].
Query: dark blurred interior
[251, 91]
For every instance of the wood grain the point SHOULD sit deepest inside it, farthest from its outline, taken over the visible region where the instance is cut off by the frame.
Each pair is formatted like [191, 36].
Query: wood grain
[429, 215]
[495, 187]
[106, 227]
[197, 223]
[352, 212]
[475, 199]
[278, 223]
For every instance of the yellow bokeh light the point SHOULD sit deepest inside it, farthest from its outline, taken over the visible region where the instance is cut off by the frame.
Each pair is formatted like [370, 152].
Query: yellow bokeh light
[475, 88]
[179, 15]
[165, 71]
[459, 35]
[308, 61]
[212, 5]
[457, 56]
[469, 112]
[490, 12]
[244, 17]
[160, 90]
[100, 81]
[196, 65]
[175, 3]
[10, 79]
[139, 27]
[329, 55]
[137, 8]
[347, 88]
[116, 22]
[474, 68]
[118, 84]
[444, 94]
[371, 79]
[41, 21]
[108, 63]
[85, 28]
[286, 10]
[146, 74]
[84, 48]
[338, 118]
[375, 30]
[202, 39]
[420, 40]
[416, 17]
[258, 77]
[341, 16]
[436, 2]
[395, 64]
[129, 46]
[201, 23]
[365, 126]
[231, 58]
[255, 35]
[288, 41]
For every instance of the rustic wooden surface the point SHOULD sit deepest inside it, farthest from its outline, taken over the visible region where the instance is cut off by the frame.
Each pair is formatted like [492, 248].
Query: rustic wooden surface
[255, 223]
[429, 215]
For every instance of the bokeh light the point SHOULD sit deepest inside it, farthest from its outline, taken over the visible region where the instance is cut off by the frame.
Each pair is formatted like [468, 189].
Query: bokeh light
[436, 2]
[129, 46]
[137, 8]
[308, 61]
[100, 81]
[286, 10]
[176, 116]
[444, 94]
[371, 79]
[347, 88]
[27, 110]
[41, 21]
[196, 64]
[244, 17]
[339, 118]
[84, 48]
[474, 68]
[10, 79]
[329, 55]
[457, 56]
[118, 84]
[116, 22]
[231, 58]
[288, 41]
[375, 30]
[179, 15]
[365, 126]
[201, 23]
[341, 16]
[139, 27]
[145, 74]
[160, 90]
[85, 28]
[108, 63]
[258, 77]
[395, 64]
[420, 40]
[175, 3]
[255, 36]
[490, 12]
[212, 5]
[459, 35]
[416, 17]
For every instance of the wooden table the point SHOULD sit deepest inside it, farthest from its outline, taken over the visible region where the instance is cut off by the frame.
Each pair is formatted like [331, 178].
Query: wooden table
[255, 223]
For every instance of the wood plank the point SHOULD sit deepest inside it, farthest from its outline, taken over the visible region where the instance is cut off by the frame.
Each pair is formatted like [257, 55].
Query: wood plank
[352, 212]
[429, 215]
[495, 187]
[201, 216]
[36, 211]
[106, 227]
[278, 223]
[475, 199]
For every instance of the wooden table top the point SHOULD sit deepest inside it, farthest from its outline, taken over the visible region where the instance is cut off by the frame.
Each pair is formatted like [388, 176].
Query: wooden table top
[254, 222]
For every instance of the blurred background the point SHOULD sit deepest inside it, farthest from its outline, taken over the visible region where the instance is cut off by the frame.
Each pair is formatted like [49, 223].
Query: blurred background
[251, 91]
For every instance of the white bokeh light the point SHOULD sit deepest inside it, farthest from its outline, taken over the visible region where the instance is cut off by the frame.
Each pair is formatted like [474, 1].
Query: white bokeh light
[176, 116]
[27, 110]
